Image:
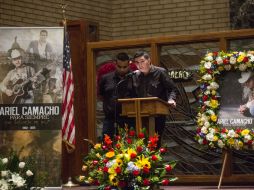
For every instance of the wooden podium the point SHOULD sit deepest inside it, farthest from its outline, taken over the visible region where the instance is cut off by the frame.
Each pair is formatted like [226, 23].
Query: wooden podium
[144, 107]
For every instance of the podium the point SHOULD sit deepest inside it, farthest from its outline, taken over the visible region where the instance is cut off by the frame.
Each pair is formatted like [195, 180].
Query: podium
[144, 107]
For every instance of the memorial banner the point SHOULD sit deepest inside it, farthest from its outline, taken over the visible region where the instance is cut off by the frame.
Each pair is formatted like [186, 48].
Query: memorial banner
[31, 60]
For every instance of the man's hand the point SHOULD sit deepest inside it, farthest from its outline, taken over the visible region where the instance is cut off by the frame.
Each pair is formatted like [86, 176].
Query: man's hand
[172, 102]
[242, 109]
[8, 92]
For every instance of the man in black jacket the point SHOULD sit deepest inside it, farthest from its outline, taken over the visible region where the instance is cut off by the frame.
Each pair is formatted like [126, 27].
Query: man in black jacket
[152, 81]
[112, 86]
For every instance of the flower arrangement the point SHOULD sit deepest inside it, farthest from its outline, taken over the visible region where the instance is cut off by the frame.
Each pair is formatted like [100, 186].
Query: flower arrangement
[15, 174]
[130, 162]
[208, 131]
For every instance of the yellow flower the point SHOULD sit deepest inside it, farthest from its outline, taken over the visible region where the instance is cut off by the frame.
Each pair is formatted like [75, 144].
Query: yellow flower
[214, 118]
[113, 180]
[119, 162]
[240, 58]
[245, 132]
[215, 138]
[81, 178]
[110, 154]
[220, 68]
[143, 162]
[84, 168]
[231, 141]
[214, 103]
[131, 151]
[98, 155]
[240, 144]
[213, 92]
[97, 146]
[111, 170]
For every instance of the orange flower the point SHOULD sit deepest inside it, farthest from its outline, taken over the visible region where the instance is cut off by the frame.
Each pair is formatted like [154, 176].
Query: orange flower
[107, 140]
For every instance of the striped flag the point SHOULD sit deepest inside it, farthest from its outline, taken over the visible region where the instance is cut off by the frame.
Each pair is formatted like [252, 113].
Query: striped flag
[68, 124]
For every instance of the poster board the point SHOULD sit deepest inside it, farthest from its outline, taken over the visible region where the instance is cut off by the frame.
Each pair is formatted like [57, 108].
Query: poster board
[30, 121]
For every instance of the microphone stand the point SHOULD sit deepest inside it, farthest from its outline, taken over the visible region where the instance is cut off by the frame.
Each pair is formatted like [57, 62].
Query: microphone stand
[116, 97]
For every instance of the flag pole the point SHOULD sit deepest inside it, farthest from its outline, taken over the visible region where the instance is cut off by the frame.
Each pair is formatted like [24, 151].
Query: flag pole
[69, 147]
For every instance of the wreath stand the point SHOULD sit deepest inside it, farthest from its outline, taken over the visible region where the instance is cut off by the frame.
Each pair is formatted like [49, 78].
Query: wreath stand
[227, 156]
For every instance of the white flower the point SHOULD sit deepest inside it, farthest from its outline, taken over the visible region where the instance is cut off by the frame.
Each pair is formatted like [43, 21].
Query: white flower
[207, 65]
[29, 173]
[5, 160]
[227, 67]
[210, 112]
[214, 86]
[207, 77]
[219, 60]
[4, 185]
[17, 180]
[22, 164]
[251, 58]
[232, 60]
[200, 141]
[247, 138]
[204, 130]
[221, 144]
[207, 103]
[242, 67]
[223, 135]
[231, 133]
[209, 58]
[4, 173]
[207, 124]
[212, 130]
[209, 136]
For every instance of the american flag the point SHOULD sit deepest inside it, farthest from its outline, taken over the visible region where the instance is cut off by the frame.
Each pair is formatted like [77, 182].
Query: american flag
[68, 124]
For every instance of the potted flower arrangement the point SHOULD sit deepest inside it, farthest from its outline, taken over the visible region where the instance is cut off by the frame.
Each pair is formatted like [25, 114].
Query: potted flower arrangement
[15, 174]
[131, 161]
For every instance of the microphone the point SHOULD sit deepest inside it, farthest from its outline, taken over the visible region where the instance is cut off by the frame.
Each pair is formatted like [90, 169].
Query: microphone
[131, 74]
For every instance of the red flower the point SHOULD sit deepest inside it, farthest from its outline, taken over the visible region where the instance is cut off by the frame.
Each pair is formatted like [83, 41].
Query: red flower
[118, 146]
[105, 169]
[205, 97]
[135, 172]
[95, 162]
[154, 158]
[139, 149]
[105, 161]
[133, 155]
[117, 137]
[250, 142]
[146, 170]
[129, 141]
[209, 71]
[163, 150]
[122, 184]
[132, 133]
[245, 59]
[238, 131]
[107, 140]
[225, 61]
[205, 141]
[168, 168]
[224, 130]
[146, 182]
[165, 182]
[107, 188]
[215, 54]
[118, 170]
[141, 135]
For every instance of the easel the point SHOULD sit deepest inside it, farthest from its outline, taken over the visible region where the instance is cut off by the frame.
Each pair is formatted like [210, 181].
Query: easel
[226, 159]
[144, 107]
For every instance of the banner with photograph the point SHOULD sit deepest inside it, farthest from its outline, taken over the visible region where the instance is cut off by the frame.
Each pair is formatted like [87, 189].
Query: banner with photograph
[31, 60]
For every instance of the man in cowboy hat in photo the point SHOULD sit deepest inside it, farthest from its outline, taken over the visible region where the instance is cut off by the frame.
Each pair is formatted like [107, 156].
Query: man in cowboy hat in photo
[247, 80]
[17, 85]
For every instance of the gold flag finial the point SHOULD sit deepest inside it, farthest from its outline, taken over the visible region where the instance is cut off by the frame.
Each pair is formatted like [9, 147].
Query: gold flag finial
[63, 6]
